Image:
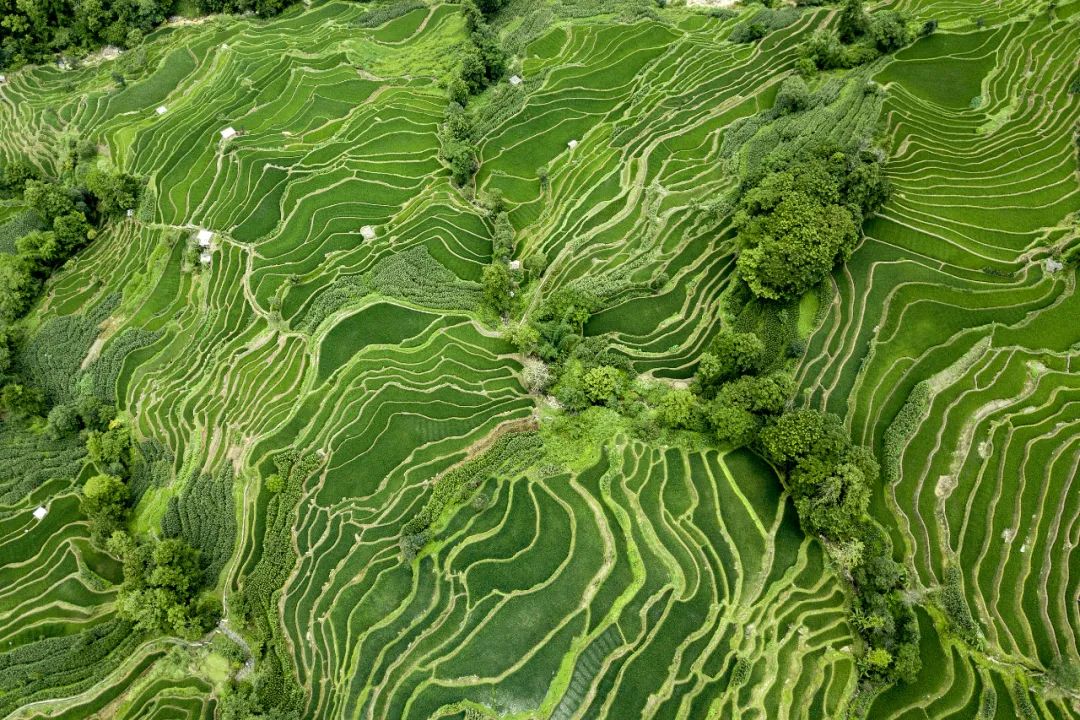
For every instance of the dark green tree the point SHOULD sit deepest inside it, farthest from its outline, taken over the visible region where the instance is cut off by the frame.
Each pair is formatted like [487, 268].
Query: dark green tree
[890, 31]
[105, 500]
[497, 284]
[853, 22]
[729, 355]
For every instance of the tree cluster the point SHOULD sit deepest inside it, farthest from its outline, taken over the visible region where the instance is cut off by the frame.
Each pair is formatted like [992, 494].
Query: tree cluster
[803, 216]
[161, 588]
[162, 579]
[502, 279]
[483, 61]
[458, 144]
[593, 375]
[262, 8]
[33, 31]
[241, 701]
[106, 497]
[859, 38]
[72, 212]
[731, 397]
[830, 480]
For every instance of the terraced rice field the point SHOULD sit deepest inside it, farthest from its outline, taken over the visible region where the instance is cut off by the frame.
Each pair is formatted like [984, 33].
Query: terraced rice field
[639, 580]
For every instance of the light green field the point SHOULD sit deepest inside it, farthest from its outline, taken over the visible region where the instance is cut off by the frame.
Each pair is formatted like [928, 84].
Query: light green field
[657, 582]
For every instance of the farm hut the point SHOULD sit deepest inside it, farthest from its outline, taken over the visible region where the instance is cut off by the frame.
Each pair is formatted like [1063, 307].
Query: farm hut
[3, 78]
[368, 232]
[205, 258]
[515, 80]
[1053, 266]
[130, 213]
[572, 144]
[40, 512]
[204, 237]
[161, 110]
[515, 264]
[228, 133]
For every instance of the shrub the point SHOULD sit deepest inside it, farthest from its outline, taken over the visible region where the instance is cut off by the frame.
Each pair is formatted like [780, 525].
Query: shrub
[679, 409]
[729, 354]
[603, 384]
[111, 447]
[824, 50]
[889, 30]
[502, 239]
[535, 264]
[794, 96]
[63, 420]
[105, 500]
[536, 376]
[462, 159]
[853, 22]
[748, 32]
[19, 400]
[731, 423]
[497, 285]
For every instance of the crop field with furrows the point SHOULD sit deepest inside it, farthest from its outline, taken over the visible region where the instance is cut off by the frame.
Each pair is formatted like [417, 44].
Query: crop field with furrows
[953, 348]
[392, 522]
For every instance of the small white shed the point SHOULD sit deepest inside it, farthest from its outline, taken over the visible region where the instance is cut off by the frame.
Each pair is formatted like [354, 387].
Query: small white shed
[205, 258]
[40, 512]
[515, 264]
[228, 133]
[368, 232]
[515, 80]
[205, 236]
[161, 110]
[572, 144]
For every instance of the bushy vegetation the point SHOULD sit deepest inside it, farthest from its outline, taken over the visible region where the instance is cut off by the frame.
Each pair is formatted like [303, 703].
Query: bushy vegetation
[51, 358]
[275, 689]
[858, 38]
[801, 217]
[204, 517]
[762, 23]
[33, 32]
[73, 210]
[36, 32]
[571, 582]
[31, 671]
[831, 481]
[162, 584]
[29, 459]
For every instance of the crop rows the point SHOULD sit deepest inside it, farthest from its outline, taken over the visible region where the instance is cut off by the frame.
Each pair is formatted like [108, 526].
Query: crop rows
[950, 346]
[652, 582]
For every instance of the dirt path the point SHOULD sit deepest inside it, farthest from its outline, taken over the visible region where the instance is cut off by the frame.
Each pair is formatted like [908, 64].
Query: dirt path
[249, 664]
